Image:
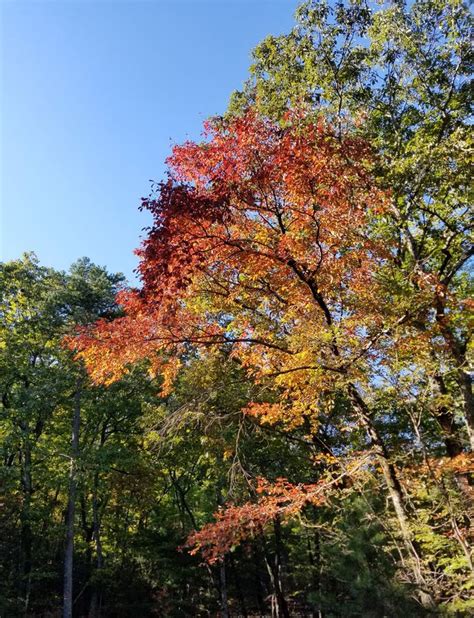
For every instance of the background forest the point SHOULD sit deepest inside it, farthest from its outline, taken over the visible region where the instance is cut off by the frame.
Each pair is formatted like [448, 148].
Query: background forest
[279, 420]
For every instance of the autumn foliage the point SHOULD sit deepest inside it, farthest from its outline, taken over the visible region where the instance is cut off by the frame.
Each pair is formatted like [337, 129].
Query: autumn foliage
[265, 243]
[235, 524]
[260, 241]
[279, 418]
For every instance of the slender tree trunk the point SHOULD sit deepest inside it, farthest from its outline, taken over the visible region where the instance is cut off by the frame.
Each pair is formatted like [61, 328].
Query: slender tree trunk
[223, 590]
[395, 492]
[318, 563]
[71, 508]
[96, 598]
[453, 445]
[314, 558]
[282, 610]
[26, 532]
[279, 550]
[364, 416]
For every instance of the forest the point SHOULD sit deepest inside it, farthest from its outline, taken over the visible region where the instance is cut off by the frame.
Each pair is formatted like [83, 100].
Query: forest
[278, 419]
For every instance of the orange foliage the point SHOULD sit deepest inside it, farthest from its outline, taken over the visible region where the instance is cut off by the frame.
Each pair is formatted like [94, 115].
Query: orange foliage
[439, 466]
[260, 242]
[235, 524]
[279, 500]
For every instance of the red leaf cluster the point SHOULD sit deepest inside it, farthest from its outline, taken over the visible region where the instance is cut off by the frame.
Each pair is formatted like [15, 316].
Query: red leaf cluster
[234, 524]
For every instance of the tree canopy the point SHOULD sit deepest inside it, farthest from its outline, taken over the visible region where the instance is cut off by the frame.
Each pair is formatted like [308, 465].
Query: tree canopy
[279, 419]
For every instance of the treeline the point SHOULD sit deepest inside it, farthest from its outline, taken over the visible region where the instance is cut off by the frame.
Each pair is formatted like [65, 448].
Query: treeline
[280, 420]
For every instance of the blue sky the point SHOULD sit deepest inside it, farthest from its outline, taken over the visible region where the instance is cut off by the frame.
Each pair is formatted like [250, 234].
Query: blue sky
[93, 94]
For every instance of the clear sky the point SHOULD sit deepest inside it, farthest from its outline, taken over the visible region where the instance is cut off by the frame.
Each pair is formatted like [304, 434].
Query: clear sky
[92, 95]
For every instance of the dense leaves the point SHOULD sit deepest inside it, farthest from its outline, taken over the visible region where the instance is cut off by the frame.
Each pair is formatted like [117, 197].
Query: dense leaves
[280, 419]
[272, 242]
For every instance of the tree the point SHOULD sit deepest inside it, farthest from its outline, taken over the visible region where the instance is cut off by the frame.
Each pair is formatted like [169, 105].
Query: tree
[32, 387]
[89, 295]
[400, 75]
[266, 241]
[40, 382]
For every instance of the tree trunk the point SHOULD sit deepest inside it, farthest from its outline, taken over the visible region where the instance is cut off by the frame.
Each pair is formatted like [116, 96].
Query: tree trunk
[275, 577]
[71, 508]
[96, 598]
[279, 550]
[395, 492]
[445, 419]
[223, 590]
[314, 558]
[25, 517]
[451, 440]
